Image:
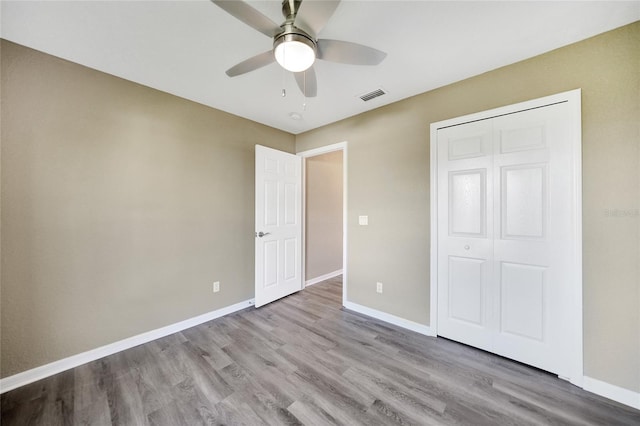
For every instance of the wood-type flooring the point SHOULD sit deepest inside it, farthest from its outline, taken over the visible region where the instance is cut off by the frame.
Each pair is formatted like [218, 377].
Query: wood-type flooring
[306, 360]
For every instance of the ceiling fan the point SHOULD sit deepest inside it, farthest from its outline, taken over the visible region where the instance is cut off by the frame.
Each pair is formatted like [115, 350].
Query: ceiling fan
[295, 42]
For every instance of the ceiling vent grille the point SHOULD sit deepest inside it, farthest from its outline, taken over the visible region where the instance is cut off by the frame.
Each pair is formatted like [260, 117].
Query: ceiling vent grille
[371, 95]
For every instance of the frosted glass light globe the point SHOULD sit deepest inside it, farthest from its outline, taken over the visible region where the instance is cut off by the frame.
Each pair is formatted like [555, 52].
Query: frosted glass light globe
[294, 55]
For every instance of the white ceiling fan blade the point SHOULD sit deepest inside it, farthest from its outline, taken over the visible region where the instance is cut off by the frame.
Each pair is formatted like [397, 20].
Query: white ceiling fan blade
[250, 16]
[346, 52]
[307, 82]
[314, 15]
[251, 64]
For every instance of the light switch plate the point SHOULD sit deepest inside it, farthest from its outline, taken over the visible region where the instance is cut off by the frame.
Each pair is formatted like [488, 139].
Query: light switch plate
[363, 220]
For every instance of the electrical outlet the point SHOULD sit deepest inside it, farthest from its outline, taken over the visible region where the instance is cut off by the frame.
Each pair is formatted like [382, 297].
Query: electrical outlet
[379, 287]
[216, 286]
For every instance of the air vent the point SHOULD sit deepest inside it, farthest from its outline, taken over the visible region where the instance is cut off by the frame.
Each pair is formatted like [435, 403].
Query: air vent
[371, 95]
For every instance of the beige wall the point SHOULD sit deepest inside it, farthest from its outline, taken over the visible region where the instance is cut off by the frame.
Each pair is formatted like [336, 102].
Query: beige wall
[323, 243]
[388, 179]
[121, 206]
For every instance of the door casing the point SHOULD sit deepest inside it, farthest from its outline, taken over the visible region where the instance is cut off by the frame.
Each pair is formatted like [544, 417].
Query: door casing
[573, 97]
[341, 146]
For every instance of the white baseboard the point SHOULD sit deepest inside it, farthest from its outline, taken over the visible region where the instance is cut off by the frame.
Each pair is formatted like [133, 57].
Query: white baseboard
[391, 319]
[321, 278]
[38, 373]
[613, 392]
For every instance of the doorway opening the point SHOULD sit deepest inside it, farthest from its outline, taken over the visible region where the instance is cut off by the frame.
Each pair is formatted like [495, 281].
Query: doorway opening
[324, 202]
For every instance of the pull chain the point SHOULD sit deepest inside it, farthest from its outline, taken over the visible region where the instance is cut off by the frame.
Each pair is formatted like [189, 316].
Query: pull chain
[284, 91]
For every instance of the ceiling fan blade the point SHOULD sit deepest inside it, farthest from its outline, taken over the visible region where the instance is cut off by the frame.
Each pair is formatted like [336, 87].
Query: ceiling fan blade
[307, 82]
[250, 16]
[349, 53]
[314, 15]
[251, 64]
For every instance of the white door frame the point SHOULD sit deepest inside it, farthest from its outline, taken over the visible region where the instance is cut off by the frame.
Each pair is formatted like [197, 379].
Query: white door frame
[574, 311]
[341, 146]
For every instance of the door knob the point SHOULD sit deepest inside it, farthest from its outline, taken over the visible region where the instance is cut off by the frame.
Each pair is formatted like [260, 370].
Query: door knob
[262, 234]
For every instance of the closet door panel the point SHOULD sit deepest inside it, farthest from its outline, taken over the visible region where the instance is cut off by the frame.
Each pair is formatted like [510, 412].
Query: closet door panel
[465, 233]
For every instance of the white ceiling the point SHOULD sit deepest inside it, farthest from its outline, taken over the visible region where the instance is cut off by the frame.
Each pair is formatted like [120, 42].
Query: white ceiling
[184, 47]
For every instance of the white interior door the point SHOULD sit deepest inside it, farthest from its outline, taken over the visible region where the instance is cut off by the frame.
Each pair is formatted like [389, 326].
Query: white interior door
[278, 231]
[505, 235]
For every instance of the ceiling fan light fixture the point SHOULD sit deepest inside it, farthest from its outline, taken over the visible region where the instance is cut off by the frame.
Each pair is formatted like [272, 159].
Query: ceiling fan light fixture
[294, 52]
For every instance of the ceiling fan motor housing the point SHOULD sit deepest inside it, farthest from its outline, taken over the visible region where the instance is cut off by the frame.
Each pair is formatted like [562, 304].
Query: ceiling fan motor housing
[293, 33]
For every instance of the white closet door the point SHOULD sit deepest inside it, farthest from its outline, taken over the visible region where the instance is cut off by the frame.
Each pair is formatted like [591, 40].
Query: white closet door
[532, 248]
[504, 246]
[465, 227]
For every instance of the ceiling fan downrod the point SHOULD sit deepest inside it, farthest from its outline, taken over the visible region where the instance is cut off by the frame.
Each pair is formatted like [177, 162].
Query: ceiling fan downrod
[290, 9]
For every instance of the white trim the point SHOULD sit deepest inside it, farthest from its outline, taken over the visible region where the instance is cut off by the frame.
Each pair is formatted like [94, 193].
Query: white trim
[391, 319]
[613, 392]
[573, 97]
[44, 371]
[340, 146]
[321, 278]
[577, 378]
[433, 201]
[345, 221]
[569, 96]
[323, 150]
